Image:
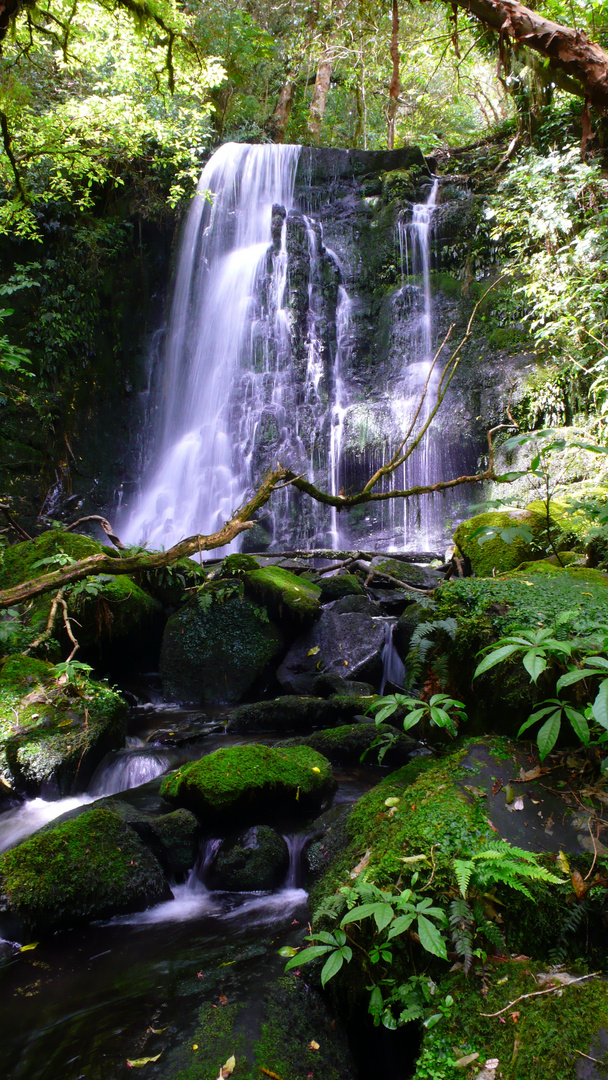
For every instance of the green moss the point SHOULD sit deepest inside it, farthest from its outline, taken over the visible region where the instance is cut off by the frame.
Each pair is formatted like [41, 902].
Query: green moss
[345, 745]
[538, 1045]
[113, 608]
[433, 812]
[18, 562]
[89, 866]
[496, 555]
[488, 608]
[283, 592]
[238, 564]
[339, 585]
[294, 1018]
[244, 783]
[19, 671]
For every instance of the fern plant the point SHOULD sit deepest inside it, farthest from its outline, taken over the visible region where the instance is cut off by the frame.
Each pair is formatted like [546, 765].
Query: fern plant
[471, 915]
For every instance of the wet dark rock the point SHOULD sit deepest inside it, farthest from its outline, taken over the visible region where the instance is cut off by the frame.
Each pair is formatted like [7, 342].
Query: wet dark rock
[318, 165]
[256, 860]
[406, 624]
[391, 601]
[294, 713]
[345, 643]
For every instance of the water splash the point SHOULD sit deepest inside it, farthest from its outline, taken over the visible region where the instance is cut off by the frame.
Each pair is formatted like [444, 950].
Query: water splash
[17, 824]
[129, 768]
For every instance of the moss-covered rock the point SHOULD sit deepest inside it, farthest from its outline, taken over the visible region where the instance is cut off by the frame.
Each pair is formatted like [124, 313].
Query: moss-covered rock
[247, 784]
[256, 860]
[346, 745]
[497, 555]
[421, 577]
[284, 594]
[113, 614]
[89, 867]
[339, 585]
[54, 731]
[292, 713]
[173, 838]
[284, 1030]
[216, 647]
[538, 1036]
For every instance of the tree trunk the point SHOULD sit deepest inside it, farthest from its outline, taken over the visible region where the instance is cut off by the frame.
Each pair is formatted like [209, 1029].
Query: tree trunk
[569, 51]
[319, 96]
[395, 87]
[277, 125]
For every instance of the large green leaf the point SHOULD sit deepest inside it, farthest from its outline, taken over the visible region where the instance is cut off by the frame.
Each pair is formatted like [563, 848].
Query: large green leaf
[534, 663]
[331, 966]
[401, 924]
[306, 955]
[600, 705]
[579, 723]
[547, 736]
[430, 938]
[496, 657]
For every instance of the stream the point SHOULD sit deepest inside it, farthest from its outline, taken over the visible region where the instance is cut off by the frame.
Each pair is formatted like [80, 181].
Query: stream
[80, 1004]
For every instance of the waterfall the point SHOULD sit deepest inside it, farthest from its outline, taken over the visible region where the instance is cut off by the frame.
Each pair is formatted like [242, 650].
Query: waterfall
[419, 527]
[264, 349]
[200, 475]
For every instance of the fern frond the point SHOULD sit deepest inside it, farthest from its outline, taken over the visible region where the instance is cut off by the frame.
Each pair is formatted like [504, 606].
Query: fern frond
[463, 869]
[461, 931]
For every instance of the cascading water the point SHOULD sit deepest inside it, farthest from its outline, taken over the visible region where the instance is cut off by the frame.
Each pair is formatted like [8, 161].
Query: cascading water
[200, 475]
[261, 366]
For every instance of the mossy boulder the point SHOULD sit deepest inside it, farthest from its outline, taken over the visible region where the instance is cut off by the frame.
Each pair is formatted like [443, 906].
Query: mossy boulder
[347, 744]
[292, 713]
[216, 648]
[112, 613]
[421, 577]
[248, 784]
[286, 595]
[256, 860]
[173, 837]
[283, 1028]
[498, 555]
[339, 585]
[485, 609]
[54, 731]
[89, 867]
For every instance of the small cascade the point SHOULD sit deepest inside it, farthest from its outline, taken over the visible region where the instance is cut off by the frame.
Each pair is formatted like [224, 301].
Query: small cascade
[296, 844]
[393, 668]
[129, 768]
[338, 405]
[16, 824]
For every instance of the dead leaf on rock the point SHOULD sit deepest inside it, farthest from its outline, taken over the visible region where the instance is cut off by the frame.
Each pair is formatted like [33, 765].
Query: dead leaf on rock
[314, 1045]
[137, 1063]
[463, 1062]
[227, 1069]
[223, 1000]
[361, 865]
[531, 774]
